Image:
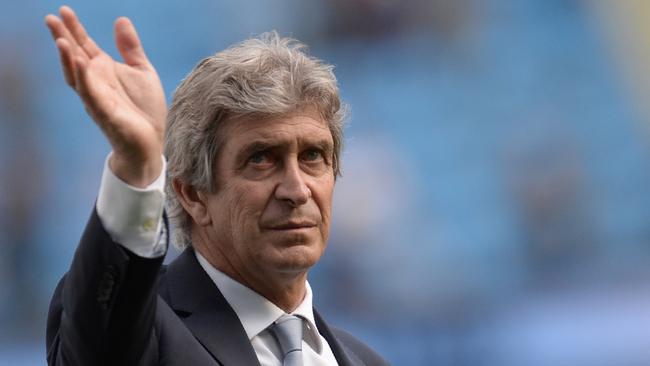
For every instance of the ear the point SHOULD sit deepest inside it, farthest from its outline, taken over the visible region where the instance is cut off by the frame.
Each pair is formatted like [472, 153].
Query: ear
[193, 201]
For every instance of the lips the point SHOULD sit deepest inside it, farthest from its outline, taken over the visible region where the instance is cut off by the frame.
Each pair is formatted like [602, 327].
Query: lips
[292, 225]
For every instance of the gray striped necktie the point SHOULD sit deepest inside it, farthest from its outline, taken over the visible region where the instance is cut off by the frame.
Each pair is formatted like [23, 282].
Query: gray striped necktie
[288, 332]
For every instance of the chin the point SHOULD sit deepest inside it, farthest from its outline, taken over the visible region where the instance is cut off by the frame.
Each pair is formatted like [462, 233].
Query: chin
[297, 258]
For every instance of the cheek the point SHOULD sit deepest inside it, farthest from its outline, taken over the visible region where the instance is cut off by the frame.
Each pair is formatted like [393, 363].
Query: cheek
[322, 192]
[247, 205]
[326, 222]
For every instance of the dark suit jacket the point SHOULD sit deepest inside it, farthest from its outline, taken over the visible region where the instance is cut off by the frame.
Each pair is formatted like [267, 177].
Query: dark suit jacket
[116, 308]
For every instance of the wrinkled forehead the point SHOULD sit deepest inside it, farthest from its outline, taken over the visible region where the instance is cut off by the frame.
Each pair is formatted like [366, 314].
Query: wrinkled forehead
[302, 126]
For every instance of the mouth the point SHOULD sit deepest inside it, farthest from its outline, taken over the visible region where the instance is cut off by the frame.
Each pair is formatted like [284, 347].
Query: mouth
[288, 226]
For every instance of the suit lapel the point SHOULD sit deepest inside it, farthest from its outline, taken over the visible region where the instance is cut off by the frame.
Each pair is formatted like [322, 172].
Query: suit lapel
[207, 314]
[343, 356]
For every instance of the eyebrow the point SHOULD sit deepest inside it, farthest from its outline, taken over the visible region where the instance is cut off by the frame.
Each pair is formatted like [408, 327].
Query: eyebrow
[326, 146]
[262, 145]
[254, 146]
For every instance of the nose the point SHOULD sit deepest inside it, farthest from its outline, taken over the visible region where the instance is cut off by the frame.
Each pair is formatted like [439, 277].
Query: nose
[292, 187]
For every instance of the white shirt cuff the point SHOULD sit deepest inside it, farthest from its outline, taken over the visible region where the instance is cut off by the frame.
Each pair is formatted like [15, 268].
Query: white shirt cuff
[133, 216]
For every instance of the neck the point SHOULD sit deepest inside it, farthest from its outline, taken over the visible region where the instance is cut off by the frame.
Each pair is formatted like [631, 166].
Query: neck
[284, 289]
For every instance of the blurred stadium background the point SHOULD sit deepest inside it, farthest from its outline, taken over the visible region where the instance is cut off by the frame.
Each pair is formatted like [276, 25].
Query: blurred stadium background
[495, 203]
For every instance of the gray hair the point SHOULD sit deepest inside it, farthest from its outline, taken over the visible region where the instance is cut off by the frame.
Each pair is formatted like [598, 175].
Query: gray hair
[258, 78]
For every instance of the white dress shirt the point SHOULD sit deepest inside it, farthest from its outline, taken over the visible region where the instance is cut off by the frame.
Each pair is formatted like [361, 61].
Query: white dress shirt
[256, 314]
[133, 218]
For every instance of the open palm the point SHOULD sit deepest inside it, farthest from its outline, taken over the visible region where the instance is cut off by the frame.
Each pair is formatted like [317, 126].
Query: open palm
[126, 100]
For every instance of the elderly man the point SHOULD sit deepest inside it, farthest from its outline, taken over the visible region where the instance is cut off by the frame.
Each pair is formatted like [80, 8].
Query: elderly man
[252, 141]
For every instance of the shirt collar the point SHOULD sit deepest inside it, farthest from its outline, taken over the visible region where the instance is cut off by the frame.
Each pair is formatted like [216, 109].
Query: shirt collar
[255, 312]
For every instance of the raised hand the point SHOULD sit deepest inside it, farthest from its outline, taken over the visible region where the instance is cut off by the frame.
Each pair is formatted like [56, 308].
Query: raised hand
[126, 100]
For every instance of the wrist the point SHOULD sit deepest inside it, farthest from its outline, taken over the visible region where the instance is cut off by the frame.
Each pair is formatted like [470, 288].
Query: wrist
[138, 173]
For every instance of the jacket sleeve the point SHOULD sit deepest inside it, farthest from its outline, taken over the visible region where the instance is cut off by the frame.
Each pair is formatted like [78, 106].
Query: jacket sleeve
[103, 310]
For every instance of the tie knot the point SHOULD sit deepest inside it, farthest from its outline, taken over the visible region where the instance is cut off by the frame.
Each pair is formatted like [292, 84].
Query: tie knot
[288, 331]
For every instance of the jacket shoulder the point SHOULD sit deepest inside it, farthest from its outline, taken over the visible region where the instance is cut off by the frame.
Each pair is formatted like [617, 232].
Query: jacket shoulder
[359, 349]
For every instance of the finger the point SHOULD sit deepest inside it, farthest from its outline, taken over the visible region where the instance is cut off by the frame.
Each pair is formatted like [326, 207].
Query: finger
[59, 31]
[78, 31]
[56, 27]
[85, 91]
[53, 24]
[67, 64]
[128, 43]
[81, 77]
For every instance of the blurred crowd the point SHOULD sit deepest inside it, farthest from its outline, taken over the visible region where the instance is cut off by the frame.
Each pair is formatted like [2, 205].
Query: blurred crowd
[494, 207]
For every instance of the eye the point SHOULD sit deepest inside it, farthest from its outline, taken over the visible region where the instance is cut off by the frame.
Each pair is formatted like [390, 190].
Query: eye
[259, 157]
[312, 155]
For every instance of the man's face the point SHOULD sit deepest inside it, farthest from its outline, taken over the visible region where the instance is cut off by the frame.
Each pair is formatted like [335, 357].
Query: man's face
[271, 210]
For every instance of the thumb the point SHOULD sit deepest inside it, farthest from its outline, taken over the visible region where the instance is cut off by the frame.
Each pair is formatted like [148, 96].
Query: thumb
[128, 43]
